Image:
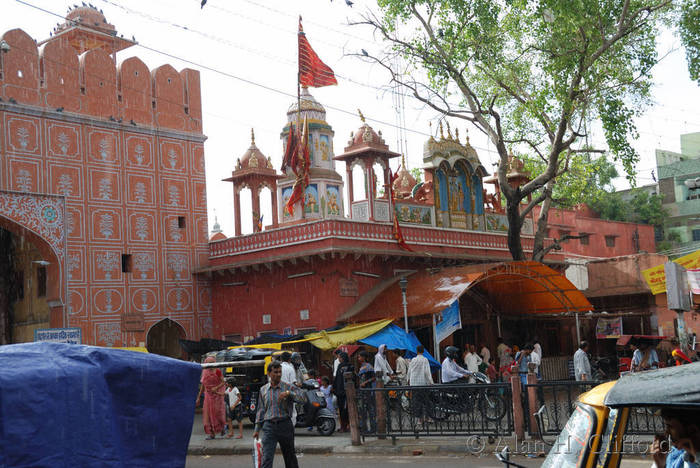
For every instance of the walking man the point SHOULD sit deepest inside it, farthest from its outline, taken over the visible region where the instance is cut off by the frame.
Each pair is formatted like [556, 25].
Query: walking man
[419, 374]
[275, 403]
[582, 366]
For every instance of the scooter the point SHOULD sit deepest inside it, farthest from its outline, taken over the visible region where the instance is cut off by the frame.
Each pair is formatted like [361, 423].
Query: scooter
[314, 411]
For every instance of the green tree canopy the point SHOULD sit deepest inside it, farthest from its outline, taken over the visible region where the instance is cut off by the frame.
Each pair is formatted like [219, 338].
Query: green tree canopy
[529, 74]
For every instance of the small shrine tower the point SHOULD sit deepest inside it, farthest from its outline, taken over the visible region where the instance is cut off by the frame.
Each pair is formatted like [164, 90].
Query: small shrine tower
[324, 194]
[365, 148]
[254, 171]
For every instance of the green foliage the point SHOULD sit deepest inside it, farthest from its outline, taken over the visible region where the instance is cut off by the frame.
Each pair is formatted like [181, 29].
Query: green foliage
[689, 27]
[417, 174]
[643, 208]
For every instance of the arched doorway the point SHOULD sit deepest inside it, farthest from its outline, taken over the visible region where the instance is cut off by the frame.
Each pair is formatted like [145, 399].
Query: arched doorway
[163, 338]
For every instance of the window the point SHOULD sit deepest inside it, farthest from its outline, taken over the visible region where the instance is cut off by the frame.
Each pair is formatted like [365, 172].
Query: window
[266, 319]
[41, 281]
[584, 239]
[126, 263]
[236, 338]
[696, 235]
[610, 241]
[181, 222]
[658, 233]
[304, 314]
[305, 331]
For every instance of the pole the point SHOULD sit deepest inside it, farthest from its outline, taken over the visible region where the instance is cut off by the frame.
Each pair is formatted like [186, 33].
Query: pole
[498, 323]
[436, 347]
[578, 331]
[405, 311]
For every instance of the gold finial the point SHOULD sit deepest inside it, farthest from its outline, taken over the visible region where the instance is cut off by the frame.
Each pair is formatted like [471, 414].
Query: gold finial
[467, 132]
[362, 117]
[403, 161]
[449, 132]
[252, 136]
[457, 135]
[442, 137]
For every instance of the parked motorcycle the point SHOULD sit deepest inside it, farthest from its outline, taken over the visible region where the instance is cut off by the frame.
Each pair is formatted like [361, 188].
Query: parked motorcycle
[314, 411]
[455, 400]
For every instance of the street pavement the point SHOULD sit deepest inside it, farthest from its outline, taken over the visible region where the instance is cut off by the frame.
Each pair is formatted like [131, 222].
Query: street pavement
[357, 461]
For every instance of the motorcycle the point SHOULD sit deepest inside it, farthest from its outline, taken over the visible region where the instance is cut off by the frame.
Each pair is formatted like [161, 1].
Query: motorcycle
[314, 411]
[488, 401]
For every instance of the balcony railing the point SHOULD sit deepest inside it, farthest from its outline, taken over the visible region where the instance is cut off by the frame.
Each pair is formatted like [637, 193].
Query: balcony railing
[362, 231]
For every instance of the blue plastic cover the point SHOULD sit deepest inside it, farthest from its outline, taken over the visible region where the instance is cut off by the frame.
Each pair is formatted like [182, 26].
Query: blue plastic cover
[66, 405]
[396, 338]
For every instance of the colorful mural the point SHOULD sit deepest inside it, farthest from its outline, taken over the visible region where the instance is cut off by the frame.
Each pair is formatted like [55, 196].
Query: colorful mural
[286, 194]
[311, 199]
[333, 197]
[499, 222]
[413, 214]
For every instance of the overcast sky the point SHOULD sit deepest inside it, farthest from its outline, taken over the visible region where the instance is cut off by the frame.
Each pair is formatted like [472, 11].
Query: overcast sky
[255, 40]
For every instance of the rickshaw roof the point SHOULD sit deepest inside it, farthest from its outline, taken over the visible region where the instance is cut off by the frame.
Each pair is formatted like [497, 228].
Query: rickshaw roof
[671, 386]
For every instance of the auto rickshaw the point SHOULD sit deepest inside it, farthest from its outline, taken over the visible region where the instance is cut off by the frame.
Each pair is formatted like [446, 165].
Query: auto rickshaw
[594, 433]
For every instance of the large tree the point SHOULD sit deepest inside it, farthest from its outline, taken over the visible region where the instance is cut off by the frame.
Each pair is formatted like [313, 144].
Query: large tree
[533, 74]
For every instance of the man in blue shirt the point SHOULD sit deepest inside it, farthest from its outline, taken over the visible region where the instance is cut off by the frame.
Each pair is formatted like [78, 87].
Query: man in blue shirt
[683, 428]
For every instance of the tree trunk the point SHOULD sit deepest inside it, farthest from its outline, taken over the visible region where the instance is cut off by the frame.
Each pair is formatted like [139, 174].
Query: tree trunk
[514, 226]
[538, 251]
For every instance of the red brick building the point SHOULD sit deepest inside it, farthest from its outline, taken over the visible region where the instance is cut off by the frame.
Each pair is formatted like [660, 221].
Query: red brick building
[102, 178]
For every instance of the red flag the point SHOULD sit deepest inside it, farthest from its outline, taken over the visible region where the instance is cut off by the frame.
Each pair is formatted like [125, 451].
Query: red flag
[312, 71]
[398, 235]
[290, 150]
[300, 161]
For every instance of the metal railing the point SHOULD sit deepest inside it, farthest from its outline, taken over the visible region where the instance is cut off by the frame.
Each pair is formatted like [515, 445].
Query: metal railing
[559, 401]
[436, 410]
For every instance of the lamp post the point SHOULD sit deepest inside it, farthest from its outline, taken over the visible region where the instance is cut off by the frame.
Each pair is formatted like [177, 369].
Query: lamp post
[403, 283]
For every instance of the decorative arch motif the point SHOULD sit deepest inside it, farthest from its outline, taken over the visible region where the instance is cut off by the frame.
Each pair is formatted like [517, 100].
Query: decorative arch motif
[44, 215]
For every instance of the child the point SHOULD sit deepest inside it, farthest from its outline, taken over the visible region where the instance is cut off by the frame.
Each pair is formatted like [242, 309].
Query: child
[233, 408]
[491, 370]
[326, 388]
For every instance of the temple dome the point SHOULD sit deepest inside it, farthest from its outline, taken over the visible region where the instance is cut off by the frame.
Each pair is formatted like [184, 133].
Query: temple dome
[253, 158]
[404, 183]
[90, 17]
[310, 108]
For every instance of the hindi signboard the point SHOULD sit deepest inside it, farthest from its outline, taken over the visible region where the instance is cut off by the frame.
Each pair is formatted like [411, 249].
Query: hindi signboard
[448, 321]
[59, 335]
[656, 276]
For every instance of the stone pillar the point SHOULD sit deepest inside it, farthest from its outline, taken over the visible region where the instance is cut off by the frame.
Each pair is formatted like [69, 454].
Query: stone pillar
[273, 201]
[351, 396]
[518, 419]
[351, 194]
[255, 196]
[532, 401]
[381, 406]
[237, 210]
[370, 187]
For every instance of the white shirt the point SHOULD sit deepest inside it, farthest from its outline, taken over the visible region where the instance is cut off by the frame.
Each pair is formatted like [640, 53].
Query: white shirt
[472, 361]
[232, 396]
[485, 354]
[336, 363]
[401, 369]
[419, 371]
[535, 359]
[538, 349]
[381, 364]
[289, 375]
[581, 365]
[451, 371]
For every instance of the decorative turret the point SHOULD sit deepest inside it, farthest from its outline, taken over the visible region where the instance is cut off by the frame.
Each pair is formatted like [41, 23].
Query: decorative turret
[254, 171]
[404, 183]
[216, 233]
[323, 197]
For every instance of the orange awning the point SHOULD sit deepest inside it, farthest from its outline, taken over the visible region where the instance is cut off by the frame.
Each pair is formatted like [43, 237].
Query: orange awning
[513, 288]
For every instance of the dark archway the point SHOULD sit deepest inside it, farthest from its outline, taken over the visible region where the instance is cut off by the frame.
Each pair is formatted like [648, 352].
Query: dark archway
[164, 338]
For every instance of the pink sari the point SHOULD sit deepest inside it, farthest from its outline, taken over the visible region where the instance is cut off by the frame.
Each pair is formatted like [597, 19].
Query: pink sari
[214, 410]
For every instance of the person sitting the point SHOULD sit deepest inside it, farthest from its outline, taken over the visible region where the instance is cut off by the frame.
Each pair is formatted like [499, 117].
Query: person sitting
[683, 429]
[644, 358]
[451, 371]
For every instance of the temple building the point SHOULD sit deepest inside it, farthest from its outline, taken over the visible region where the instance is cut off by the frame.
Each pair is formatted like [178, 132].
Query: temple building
[338, 260]
[103, 210]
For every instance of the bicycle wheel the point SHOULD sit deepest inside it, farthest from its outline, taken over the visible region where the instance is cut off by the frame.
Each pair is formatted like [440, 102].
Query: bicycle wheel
[492, 406]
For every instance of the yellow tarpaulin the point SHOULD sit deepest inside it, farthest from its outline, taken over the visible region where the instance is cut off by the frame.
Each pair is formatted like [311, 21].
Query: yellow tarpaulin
[656, 276]
[350, 334]
[139, 349]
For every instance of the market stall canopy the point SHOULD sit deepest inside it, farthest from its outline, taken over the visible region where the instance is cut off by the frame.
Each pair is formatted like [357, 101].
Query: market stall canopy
[636, 339]
[350, 334]
[396, 338]
[514, 288]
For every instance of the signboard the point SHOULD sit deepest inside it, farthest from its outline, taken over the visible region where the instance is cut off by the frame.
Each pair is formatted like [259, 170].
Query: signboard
[656, 277]
[677, 295]
[694, 280]
[133, 323]
[608, 328]
[348, 288]
[59, 335]
[448, 321]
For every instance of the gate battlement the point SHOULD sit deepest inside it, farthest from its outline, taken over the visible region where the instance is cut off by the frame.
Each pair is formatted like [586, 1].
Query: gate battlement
[56, 75]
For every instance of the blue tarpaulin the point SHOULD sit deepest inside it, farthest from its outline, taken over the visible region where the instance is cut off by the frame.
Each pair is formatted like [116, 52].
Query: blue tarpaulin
[396, 338]
[67, 405]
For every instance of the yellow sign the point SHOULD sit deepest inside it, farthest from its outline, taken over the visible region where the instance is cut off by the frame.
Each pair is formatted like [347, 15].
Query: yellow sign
[656, 277]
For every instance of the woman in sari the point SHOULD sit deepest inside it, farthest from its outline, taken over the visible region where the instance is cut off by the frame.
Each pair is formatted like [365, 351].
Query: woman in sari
[214, 410]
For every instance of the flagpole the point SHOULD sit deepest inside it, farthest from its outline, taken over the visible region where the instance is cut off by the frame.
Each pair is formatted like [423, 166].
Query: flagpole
[303, 215]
